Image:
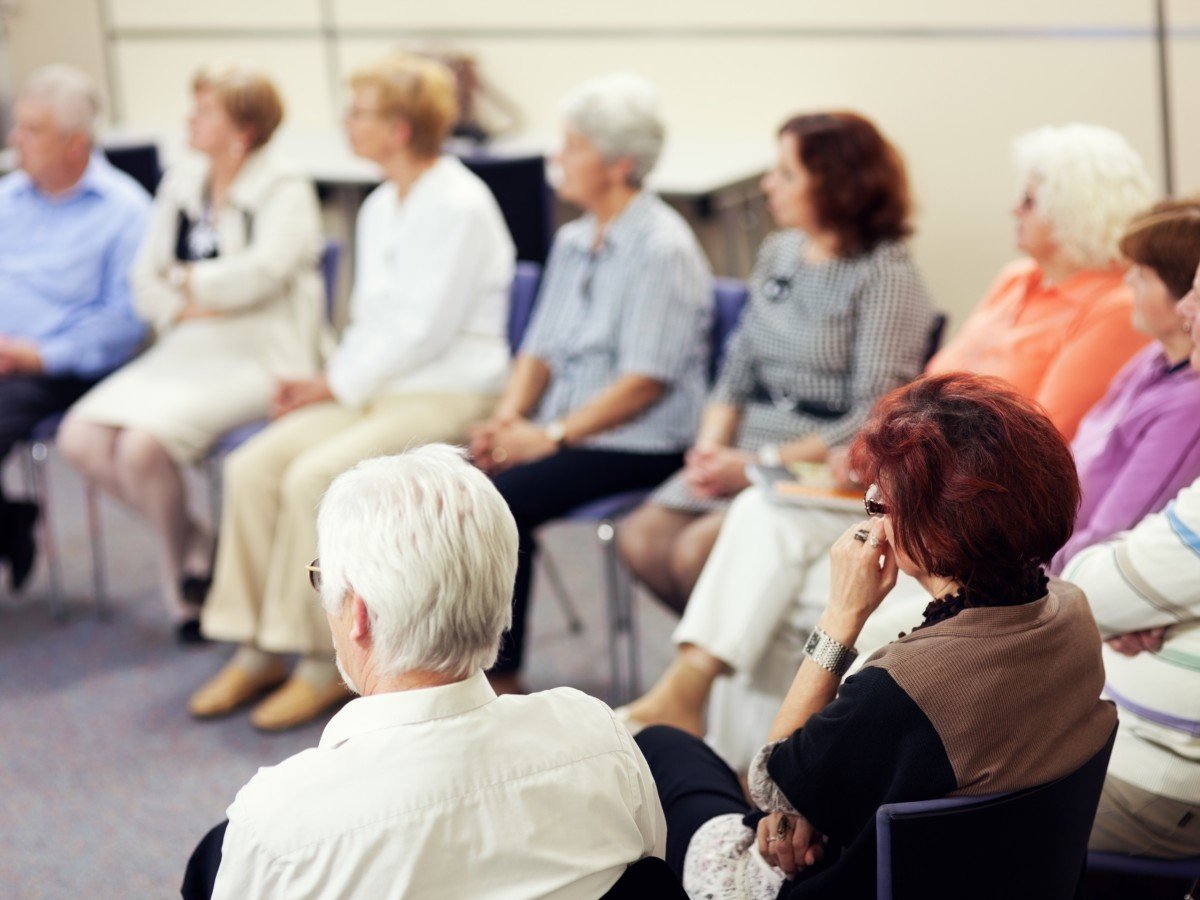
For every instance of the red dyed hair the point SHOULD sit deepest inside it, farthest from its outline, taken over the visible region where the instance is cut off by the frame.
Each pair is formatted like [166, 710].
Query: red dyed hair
[859, 186]
[980, 485]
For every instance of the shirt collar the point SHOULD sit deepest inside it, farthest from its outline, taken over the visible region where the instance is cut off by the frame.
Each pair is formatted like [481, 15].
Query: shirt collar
[626, 228]
[379, 711]
[94, 180]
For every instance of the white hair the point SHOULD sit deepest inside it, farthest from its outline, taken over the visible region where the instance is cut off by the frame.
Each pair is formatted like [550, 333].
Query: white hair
[620, 115]
[1089, 183]
[431, 548]
[72, 96]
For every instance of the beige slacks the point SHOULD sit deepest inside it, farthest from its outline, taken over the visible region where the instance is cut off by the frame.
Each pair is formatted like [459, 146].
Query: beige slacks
[273, 483]
[1136, 821]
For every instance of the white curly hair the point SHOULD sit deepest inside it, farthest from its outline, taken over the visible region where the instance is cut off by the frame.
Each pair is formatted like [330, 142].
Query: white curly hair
[1089, 183]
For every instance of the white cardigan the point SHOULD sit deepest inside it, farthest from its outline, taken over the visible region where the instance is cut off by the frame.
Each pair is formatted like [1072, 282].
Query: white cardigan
[430, 303]
[265, 278]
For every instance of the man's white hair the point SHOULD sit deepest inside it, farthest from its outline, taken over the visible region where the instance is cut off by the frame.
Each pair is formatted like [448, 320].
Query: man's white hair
[620, 115]
[72, 96]
[1089, 183]
[428, 543]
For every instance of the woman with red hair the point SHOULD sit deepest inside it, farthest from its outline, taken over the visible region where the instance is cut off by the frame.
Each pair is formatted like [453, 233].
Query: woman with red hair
[973, 492]
[838, 316]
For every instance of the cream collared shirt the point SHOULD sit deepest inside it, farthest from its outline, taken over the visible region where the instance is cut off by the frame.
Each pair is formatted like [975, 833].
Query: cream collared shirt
[448, 792]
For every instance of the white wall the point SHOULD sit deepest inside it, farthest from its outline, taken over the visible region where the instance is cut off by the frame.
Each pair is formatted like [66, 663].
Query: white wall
[952, 83]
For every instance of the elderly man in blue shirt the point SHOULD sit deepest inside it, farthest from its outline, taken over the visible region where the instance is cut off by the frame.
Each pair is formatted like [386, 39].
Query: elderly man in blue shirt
[70, 226]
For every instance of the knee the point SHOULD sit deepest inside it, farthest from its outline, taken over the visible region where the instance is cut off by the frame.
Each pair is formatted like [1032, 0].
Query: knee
[140, 455]
[688, 555]
[304, 481]
[76, 441]
[638, 540]
[245, 470]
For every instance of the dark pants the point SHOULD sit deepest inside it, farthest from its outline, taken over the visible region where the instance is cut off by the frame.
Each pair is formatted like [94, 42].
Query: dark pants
[694, 785]
[549, 489]
[200, 877]
[27, 399]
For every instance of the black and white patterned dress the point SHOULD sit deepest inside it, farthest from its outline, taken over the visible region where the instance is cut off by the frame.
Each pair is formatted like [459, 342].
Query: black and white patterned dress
[817, 346]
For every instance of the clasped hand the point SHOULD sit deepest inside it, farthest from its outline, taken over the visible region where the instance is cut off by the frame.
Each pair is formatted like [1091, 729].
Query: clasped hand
[789, 843]
[716, 471]
[290, 395]
[19, 357]
[504, 441]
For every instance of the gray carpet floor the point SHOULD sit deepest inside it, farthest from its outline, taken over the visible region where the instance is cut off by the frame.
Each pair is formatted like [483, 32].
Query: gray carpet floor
[105, 782]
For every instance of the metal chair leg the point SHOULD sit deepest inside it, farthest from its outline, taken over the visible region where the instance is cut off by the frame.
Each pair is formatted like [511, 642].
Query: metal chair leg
[38, 451]
[622, 619]
[96, 537]
[212, 468]
[558, 588]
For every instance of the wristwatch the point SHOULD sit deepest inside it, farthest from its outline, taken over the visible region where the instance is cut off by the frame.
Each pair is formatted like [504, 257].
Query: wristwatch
[557, 433]
[831, 655]
[768, 455]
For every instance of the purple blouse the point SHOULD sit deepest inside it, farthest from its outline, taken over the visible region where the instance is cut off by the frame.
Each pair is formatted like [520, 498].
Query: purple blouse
[1136, 448]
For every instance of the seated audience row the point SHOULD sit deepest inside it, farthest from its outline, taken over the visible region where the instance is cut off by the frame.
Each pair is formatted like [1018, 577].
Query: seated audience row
[1134, 450]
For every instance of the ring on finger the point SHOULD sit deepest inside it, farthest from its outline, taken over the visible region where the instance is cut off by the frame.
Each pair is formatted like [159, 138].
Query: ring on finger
[861, 535]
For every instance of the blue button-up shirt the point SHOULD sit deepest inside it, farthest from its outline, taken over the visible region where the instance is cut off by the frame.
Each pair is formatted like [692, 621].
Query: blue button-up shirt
[64, 268]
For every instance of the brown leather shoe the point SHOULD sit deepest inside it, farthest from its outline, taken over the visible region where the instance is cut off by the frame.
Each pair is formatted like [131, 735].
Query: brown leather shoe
[232, 687]
[297, 702]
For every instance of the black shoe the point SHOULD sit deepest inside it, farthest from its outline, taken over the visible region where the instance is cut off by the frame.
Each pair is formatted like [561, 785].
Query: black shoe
[194, 589]
[20, 548]
[188, 633]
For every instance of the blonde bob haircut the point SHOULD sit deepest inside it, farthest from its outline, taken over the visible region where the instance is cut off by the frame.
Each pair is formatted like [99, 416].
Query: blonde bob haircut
[1089, 183]
[248, 97]
[420, 91]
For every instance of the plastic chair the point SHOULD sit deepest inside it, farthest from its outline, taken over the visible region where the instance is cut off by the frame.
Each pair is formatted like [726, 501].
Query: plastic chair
[40, 438]
[1053, 821]
[648, 877]
[1151, 868]
[936, 333]
[519, 185]
[139, 161]
[729, 300]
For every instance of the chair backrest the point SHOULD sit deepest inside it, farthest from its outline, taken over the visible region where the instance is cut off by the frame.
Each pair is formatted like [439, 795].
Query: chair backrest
[519, 186]
[1029, 844]
[331, 258]
[648, 877]
[139, 161]
[936, 333]
[521, 299]
[729, 298]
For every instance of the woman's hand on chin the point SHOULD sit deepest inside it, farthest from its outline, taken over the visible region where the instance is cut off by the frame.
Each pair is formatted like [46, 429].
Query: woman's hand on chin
[862, 572]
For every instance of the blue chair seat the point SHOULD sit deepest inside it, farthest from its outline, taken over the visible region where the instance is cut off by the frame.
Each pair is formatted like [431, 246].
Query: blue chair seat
[611, 507]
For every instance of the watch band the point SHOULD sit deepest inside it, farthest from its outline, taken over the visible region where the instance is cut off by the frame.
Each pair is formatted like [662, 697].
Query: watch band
[768, 455]
[557, 433]
[831, 655]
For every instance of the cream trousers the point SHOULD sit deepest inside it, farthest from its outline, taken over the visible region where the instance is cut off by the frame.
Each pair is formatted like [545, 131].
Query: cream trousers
[273, 483]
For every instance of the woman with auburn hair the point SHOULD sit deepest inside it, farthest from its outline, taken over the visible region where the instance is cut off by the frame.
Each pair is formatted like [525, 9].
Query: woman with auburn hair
[227, 278]
[973, 491]
[838, 316]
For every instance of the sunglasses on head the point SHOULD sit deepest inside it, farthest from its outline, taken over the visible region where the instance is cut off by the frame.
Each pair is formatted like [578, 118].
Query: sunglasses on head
[874, 505]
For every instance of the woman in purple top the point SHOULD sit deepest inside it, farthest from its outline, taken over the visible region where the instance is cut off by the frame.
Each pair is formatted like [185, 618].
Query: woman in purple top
[1140, 444]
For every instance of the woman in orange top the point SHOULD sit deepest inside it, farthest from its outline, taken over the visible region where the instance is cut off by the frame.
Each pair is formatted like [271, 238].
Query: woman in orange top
[1058, 326]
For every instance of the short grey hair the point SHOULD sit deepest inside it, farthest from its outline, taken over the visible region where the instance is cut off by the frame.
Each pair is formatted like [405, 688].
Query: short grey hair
[620, 115]
[430, 546]
[71, 95]
[1090, 183]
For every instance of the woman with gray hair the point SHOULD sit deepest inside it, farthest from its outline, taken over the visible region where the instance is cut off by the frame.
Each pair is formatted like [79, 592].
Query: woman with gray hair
[609, 381]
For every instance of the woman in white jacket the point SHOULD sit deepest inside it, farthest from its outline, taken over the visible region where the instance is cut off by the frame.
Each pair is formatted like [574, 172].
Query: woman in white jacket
[227, 277]
[423, 356]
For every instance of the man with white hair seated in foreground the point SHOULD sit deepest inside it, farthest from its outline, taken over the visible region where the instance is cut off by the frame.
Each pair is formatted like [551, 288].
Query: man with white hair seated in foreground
[428, 784]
